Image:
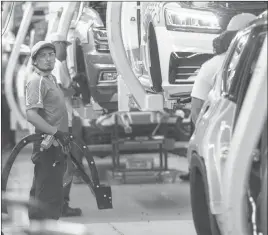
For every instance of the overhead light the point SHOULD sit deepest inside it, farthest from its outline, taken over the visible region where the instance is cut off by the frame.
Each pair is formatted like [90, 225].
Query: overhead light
[101, 39]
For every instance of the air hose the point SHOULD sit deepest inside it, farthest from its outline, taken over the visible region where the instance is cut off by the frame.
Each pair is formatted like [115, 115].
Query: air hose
[102, 193]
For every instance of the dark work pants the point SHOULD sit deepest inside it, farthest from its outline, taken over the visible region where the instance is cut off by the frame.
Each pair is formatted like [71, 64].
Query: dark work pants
[67, 188]
[76, 130]
[47, 183]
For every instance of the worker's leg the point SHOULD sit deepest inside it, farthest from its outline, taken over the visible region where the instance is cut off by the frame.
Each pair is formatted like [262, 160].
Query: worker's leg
[67, 210]
[186, 176]
[48, 184]
[77, 131]
[67, 188]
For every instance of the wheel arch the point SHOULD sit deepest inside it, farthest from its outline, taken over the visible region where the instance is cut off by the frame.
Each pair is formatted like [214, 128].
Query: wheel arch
[209, 223]
[154, 58]
[211, 181]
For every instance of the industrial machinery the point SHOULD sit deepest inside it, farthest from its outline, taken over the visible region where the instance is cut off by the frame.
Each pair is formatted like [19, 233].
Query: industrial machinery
[84, 24]
[32, 15]
[79, 57]
[146, 113]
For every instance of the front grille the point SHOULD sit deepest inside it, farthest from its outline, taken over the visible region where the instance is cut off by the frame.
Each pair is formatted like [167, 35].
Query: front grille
[183, 65]
[184, 72]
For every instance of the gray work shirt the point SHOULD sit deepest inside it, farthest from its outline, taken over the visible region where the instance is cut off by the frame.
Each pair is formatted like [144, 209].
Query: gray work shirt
[42, 92]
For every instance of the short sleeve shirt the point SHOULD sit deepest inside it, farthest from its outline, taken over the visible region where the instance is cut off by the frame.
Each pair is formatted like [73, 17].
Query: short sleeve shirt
[62, 77]
[205, 78]
[42, 92]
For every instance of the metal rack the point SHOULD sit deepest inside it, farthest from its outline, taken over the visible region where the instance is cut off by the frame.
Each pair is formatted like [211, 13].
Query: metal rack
[119, 172]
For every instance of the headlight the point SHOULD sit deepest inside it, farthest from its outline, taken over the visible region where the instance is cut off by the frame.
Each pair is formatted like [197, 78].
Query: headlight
[100, 34]
[101, 40]
[192, 21]
[108, 76]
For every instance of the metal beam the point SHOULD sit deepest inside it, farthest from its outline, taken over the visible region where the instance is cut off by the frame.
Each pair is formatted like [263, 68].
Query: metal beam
[12, 63]
[66, 18]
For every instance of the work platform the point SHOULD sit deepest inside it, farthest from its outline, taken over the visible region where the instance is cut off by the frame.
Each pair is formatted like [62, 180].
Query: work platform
[139, 132]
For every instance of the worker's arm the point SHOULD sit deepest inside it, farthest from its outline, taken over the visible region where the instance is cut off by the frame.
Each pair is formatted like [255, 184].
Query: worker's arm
[199, 94]
[63, 78]
[39, 123]
[35, 93]
[68, 92]
[202, 86]
[196, 106]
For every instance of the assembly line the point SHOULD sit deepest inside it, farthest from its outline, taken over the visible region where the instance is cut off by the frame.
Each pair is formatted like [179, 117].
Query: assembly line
[134, 118]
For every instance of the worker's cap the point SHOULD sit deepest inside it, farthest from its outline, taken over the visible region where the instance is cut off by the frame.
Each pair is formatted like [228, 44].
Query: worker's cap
[41, 45]
[55, 37]
[240, 21]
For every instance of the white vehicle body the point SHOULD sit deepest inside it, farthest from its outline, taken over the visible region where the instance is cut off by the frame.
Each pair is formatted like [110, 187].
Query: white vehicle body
[155, 31]
[244, 70]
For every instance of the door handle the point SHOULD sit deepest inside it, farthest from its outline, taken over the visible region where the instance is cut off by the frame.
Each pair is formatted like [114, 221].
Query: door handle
[206, 109]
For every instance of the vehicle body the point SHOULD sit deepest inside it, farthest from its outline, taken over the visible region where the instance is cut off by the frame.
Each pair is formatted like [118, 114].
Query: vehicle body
[92, 55]
[86, 28]
[210, 142]
[169, 41]
[143, 31]
[90, 60]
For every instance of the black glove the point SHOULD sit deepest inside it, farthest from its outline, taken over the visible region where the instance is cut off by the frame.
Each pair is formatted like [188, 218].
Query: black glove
[64, 140]
[81, 79]
[62, 137]
[77, 88]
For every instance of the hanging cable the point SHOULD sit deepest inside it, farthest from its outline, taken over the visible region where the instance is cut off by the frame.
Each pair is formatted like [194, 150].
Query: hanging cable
[9, 17]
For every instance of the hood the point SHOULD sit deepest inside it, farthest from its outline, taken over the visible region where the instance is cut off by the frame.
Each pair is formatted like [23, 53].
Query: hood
[255, 7]
[226, 10]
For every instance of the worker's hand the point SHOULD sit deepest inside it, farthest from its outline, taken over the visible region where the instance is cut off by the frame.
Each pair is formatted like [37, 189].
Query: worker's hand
[77, 88]
[64, 140]
[66, 149]
[81, 79]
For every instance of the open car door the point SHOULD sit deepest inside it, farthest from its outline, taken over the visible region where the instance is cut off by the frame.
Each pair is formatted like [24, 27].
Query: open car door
[130, 23]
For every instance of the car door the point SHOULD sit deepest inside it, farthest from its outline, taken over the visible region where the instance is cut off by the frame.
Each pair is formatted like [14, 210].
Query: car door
[214, 126]
[130, 23]
[218, 100]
